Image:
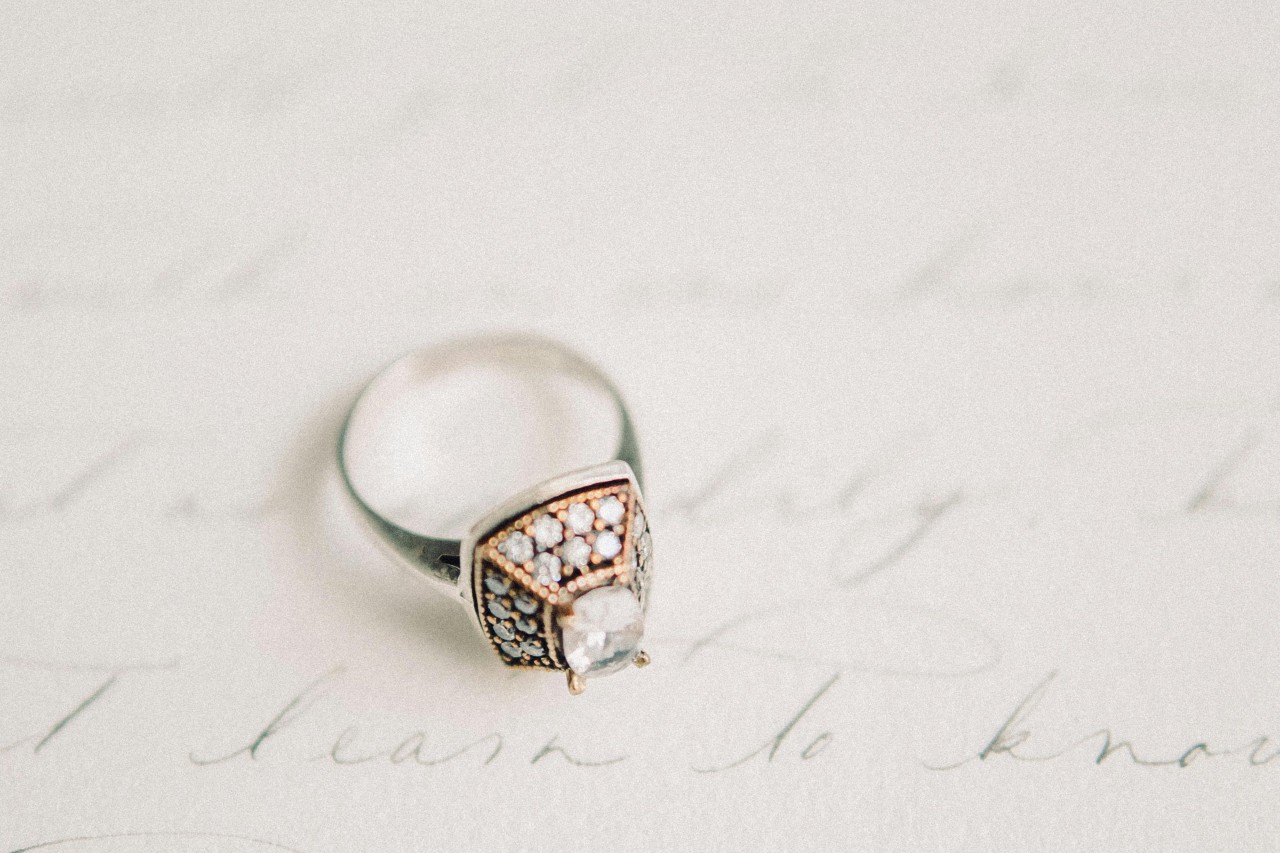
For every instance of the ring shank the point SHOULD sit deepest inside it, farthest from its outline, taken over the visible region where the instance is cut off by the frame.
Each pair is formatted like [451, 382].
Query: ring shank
[439, 558]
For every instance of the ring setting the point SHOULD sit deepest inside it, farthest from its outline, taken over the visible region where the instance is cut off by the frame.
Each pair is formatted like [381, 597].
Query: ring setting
[563, 583]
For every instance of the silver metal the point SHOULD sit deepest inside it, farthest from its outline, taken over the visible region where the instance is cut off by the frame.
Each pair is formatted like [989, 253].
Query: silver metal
[444, 561]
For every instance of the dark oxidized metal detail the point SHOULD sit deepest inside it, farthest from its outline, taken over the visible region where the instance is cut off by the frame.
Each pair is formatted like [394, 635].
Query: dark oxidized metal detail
[521, 639]
[642, 546]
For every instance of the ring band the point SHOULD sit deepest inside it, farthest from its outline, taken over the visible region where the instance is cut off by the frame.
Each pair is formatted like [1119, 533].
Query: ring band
[557, 575]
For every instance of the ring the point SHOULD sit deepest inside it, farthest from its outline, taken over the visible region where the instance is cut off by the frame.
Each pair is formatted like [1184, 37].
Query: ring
[557, 574]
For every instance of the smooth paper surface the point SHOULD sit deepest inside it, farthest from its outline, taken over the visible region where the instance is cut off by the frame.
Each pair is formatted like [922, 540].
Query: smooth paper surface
[952, 336]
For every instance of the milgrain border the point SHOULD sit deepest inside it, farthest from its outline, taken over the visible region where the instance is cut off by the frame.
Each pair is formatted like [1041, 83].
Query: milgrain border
[514, 507]
[615, 568]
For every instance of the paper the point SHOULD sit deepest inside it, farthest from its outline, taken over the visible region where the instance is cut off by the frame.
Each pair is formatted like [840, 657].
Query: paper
[953, 341]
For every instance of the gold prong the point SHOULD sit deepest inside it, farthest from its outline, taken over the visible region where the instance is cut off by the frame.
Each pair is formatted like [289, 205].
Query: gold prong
[641, 659]
[577, 683]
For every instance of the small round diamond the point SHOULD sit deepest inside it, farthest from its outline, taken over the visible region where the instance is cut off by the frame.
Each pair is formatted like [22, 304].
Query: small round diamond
[604, 631]
[546, 569]
[581, 518]
[608, 545]
[517, 548]
[611, 510]
[548, 532]
[577, 552]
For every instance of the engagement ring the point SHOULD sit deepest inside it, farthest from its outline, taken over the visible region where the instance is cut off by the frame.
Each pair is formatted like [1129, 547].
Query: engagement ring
[556, 575]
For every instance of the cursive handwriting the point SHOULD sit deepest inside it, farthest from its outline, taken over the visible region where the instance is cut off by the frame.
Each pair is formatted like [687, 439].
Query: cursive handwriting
[1013, 740]
[815, 746]
[41, 739]
[1017, 738]
[347, 748]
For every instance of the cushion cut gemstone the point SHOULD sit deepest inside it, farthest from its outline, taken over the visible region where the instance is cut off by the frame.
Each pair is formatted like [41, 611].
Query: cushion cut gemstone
[604, 631]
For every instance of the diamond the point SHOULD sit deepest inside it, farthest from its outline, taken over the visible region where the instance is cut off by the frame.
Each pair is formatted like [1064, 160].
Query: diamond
[645, 547]
[611, 510]
[577, 552]
[581, 518]
[608, 545]
[546, 569]
[603, 633]
[548, 532]
[641, 523]
[526, 605]
[517, 548]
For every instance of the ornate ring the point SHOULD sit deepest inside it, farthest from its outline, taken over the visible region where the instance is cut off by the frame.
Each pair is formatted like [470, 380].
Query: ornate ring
[556, 576]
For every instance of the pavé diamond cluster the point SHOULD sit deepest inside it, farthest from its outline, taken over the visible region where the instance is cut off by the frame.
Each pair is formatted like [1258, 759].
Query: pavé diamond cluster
[564, 585]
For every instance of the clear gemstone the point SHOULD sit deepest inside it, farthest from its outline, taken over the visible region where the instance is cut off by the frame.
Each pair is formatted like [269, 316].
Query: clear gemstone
[517, 548]
[604, 631]
[645, 547]
[642, 523]
[546, 569]
[526, 605]
[611, 510]
[548, 531]
[581, 518]
[608, 544]
[577, 552]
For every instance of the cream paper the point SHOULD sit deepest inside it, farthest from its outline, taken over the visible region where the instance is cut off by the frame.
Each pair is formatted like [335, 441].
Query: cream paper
[953, 339]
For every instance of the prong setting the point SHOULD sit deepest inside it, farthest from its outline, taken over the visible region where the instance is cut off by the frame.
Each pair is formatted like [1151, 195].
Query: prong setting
[577, 598]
